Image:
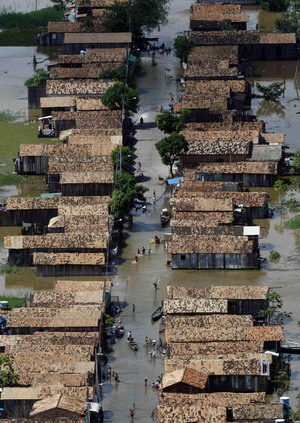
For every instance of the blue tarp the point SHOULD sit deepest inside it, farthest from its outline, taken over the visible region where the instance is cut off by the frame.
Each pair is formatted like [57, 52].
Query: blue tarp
[174, 181]
[50, 194]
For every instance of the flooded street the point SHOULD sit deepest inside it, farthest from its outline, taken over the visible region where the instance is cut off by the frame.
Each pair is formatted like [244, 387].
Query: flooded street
[134, 282]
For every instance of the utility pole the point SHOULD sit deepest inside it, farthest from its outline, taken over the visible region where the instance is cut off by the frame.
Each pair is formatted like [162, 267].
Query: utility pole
[36, 5]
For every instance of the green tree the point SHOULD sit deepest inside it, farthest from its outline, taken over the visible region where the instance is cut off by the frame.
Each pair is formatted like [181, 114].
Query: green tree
[170, 148]
[281, 186]
[88, 24]
[275, 5]
[273, 314]
[125, 194]
[63, 4]
[120, 73]
[7, 373]
[182, 47]
[271, 92]
[127, 157]
[136, 16]
[169, 122]
[38, 79]
[290, 21]
[297, 159]
[119, 93]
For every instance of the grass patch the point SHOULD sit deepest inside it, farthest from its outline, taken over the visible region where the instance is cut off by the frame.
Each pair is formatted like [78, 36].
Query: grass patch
[14, 179]
[9, 269]
[14, 134]
[13, 302]
[39, 18]
[293, 223]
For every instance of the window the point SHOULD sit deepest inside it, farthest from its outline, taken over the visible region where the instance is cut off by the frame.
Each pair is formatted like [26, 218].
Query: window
[182, 257]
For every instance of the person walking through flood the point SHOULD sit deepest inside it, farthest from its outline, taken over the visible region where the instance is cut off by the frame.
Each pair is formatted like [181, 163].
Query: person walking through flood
[143, 251]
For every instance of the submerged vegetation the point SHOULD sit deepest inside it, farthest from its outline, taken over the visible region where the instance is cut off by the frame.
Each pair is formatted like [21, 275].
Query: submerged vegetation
[10, 269]
[14, 179]
[39, 18]
[293, 223]
[21, 29]
[274, 314]
[274, 255]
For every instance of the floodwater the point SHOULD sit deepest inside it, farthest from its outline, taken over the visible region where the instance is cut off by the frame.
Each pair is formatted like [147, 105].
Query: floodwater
[24, 6]
[134, 282]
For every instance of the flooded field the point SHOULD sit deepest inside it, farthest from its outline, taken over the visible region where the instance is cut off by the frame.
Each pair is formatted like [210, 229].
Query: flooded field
[134, 282]
[24, 5]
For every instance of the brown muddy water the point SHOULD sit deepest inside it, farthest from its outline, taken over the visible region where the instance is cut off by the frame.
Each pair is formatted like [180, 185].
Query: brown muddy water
[134, 282]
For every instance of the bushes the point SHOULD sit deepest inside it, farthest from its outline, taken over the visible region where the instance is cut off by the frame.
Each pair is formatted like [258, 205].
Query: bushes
[38, 79]
[40, 18]
[274, 255]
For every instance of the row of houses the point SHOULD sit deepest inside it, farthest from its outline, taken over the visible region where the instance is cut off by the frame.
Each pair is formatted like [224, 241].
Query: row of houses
[220, 360]
[69, 230]
[229, 150]
[54, 345]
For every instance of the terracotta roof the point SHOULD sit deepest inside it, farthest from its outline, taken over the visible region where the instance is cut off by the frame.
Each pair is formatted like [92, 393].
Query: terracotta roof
[221, 126]
[195, 306]
[64, 27]
[197, 200]
[57, 241]
[73, 286]
[56, 102]
[56, 259]
[225, 292]
[188, 375]
[66, 299]
[74, 405]
[98, 38]
[217, 334]
[240, 37]
[211, 148]
[227, 135]
[217, 12]
[87, 177]
[217, 244]
[207, 320]
[86, 86]
[269, 168]
[220, 366]
[213, 348]
[97, 3]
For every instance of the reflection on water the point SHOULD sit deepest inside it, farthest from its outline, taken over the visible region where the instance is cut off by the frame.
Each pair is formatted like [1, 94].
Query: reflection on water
[267, 108]
[260, 19]
[284, 116]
